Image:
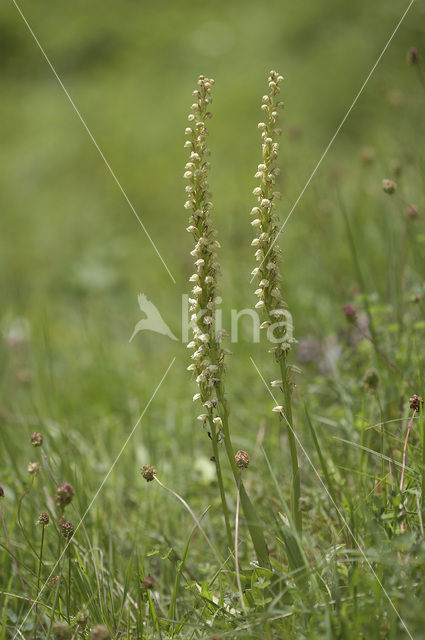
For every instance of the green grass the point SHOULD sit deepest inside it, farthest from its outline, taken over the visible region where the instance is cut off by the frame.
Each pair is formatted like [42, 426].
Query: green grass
[73, 259]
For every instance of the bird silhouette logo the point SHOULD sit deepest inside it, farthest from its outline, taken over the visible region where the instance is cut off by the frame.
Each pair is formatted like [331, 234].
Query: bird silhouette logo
[153, 320]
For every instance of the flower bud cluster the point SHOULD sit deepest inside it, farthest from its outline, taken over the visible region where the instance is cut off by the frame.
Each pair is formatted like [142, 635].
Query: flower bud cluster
[36, 439]
[389, 186]
[242, 459]
[266, 221]
[148, 472]
[43, 519]
[33, 468]
[208, 356]
[64, 494]
[67, 529]
[415, 402]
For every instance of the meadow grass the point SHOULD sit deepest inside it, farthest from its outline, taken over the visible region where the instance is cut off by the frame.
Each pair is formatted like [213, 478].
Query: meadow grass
[144, 564]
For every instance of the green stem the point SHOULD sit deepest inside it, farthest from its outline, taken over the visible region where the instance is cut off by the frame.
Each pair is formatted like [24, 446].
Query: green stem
[403, 277]
[214, 441]
[21, 526]
[38, 579]
[383, 469]
[363, 448]
[58, 585]
[421, 414]
[295, 486]
[238, 577]
[68, 602]
[254, 526]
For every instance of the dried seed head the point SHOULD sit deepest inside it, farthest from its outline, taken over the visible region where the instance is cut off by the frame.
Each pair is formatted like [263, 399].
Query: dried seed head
[371, 379]
[99, 632]
[1, 492]
[389, 186]
[413, 56]
[415, 402]
[350, 313]
[36, 439]
[148, 583]
[242, 459]
[43, 519]
[62, 631]
[33, 468]
[64, 494]
[67, 530]
[53, 581]
[148, 472]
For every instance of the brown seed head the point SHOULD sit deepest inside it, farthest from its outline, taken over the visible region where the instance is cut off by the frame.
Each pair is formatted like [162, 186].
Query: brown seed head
[1, 492]
[415, 402]
[67, 530]
[389, 186]
[33, 468]
[242, 459]
[148, 472]
[43, 519]
[64, 494]
[36, 439]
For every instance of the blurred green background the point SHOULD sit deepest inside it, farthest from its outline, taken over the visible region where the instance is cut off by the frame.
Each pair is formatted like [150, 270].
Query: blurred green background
[73, 256]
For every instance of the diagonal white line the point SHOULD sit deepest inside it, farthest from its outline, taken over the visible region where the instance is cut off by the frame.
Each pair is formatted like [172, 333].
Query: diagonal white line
[96, 494]
[334, 504]
[341, 124]
[83, 122]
